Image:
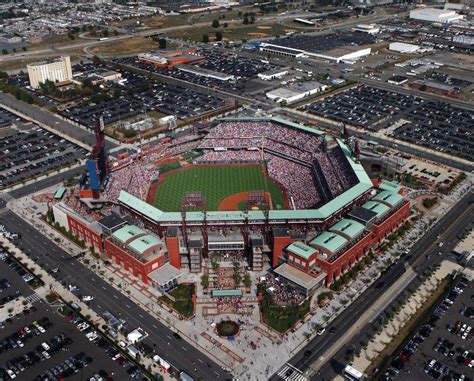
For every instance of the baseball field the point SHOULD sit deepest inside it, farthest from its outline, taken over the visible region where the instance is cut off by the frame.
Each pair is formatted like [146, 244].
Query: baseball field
[215, 183]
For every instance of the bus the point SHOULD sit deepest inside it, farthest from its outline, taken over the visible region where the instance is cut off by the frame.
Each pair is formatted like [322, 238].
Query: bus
[352, 374]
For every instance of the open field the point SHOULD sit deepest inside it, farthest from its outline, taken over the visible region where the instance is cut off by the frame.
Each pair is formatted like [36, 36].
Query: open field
[232, 32]
[215, 183]
[125, 47]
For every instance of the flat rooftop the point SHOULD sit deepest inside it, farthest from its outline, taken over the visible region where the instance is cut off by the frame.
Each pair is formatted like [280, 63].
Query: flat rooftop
[299, 277]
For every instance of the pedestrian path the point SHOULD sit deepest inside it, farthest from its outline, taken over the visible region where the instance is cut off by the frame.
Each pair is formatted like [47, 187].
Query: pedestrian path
[290, 373]
[33, 298]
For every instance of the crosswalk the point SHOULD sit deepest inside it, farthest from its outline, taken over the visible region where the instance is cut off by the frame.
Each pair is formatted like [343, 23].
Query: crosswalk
[33, 298]
[290, 373]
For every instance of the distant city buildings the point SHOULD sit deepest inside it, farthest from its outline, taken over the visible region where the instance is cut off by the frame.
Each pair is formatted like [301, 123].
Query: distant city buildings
[58, 70]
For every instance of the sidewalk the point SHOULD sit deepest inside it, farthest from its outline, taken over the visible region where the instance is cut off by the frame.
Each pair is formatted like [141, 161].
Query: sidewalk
[50, 284]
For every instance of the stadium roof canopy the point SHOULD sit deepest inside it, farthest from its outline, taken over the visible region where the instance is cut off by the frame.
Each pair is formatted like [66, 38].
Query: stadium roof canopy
[332, 242]
[127, 233]
[376, 207]
[301, 250]
[390, 186]
[388, 197]
[143, 243]
[363, 186]
[348, 227]
[140, 206]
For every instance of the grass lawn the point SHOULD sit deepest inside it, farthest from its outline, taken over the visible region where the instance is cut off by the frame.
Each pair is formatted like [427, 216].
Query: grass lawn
[215, 183]
[278, 317]
[232, 32]
[184, 299]
[127, 46]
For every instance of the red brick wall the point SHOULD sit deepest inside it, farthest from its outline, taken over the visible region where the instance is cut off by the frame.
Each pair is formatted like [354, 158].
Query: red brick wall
[90, 237]
[279, 243]
[173, 250]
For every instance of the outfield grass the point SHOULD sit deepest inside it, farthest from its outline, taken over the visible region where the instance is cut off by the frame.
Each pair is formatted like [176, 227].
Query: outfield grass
[215, 183]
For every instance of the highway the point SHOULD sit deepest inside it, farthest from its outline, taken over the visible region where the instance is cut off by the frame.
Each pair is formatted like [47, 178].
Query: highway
[178, 352]
[422, 255]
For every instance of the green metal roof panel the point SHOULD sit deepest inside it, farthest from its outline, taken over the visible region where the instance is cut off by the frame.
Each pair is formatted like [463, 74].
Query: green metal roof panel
[127, 232]
[59, 193]
[301, 250]
[390, 198]
[140, 206]
[332, 242]
[348, 227]
[376, 207]
[390, 186]
[224, 293]
[140, 245]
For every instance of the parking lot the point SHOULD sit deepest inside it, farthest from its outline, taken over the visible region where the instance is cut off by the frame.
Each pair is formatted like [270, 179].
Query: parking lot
[437, 125]
[440, 126]
[31, 151]
[138, 95]
[7, 118]
[245, 71]
[41, 344]
[323, 43]
[442, 348]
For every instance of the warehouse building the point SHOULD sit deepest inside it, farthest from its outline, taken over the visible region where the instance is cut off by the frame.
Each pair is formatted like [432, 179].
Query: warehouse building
[435, 15]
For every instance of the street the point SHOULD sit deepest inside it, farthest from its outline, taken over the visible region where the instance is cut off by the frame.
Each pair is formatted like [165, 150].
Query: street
[178, 352]
[447, 228]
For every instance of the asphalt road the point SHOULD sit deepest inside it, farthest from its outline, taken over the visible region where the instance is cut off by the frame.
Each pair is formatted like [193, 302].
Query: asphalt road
[49, 119]
[448, 227]
[178, 352]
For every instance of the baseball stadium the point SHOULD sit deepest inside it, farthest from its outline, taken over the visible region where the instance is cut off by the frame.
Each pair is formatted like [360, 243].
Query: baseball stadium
[264, 191]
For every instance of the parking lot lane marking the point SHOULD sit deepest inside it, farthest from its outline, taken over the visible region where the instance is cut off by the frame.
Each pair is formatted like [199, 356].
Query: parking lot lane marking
[104, 288]
[200, 361]
[184, 349]
[127, 305]
[216, 373]
[169, 337]
[115, 296]
[155, 326]
[141, 316]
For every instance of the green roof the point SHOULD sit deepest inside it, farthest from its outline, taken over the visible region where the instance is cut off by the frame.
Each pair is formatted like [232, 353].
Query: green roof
[332, 242]
[127, 232]
[349, 227]
[140, 245]
[376, 207]
[388, 197]
[140, 206]
[301, 250]
[390, 186]
[222, 293]
[59, 193]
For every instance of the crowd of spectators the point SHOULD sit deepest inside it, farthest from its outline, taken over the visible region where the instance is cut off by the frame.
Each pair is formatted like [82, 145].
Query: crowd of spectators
[289, 154]
[282, 293]
[229, 156]
[134, 179]
[296, 178]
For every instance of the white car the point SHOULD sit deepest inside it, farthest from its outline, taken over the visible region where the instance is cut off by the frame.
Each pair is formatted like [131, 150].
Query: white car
[46, 355]
[321, 331]
[87, 298]
[83, 326]
[11, 373]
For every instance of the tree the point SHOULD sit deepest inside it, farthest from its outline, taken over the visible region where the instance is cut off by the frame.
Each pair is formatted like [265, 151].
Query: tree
[218, 36]
[105, 33]
[96, 60]
[205, 281]
[216, 24]
[247, 280]
[162, 43]
[246, 20]
[205, 39]
[226, 25]
[24, 48]
[4, 51]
